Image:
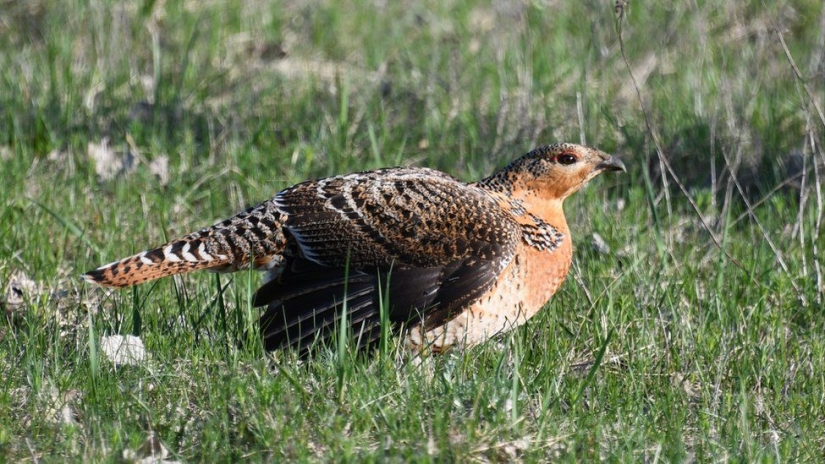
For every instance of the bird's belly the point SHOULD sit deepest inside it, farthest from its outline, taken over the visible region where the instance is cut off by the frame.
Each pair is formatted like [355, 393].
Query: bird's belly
[523, 288]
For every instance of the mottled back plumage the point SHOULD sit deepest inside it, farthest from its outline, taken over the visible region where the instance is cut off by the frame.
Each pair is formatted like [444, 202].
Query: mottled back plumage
[441, 250]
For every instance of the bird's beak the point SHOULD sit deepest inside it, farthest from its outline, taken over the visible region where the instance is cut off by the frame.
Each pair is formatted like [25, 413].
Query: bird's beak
[611, 164]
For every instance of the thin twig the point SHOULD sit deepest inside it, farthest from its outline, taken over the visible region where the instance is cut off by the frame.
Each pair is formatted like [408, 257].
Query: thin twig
[621, 5]
[764, 233]
[765, 198]
[811, 139]
[817, 223]
[798, 74]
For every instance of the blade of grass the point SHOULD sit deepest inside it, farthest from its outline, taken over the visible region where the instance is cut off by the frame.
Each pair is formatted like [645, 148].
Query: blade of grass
[94, 360]
[591, 374]
[71, 227]
[343, 332]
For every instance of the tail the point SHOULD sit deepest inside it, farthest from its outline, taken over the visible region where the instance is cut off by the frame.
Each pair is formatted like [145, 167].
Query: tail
[252, 239]
[177, 257]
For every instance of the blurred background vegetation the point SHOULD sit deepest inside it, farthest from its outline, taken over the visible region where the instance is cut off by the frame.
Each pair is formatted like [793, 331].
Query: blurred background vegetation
[125, 123]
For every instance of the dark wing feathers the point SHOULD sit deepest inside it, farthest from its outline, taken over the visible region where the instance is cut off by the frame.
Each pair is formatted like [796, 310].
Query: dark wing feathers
[301, 317]
[439, 243]
[458, 288]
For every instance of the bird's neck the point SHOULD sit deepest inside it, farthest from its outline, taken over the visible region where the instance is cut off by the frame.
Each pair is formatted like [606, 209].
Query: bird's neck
[523, 201]
[542, 220]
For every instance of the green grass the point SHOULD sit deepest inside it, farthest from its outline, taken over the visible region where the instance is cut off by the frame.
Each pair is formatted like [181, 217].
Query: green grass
[665, 348]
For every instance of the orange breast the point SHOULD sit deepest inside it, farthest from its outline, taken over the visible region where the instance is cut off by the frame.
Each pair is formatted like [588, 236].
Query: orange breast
[523, 288]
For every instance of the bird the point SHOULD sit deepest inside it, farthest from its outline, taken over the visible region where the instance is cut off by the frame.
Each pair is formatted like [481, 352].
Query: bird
[447, 264]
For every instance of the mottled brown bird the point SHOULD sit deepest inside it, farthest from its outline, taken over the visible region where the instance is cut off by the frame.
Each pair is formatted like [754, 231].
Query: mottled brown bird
[457, 262]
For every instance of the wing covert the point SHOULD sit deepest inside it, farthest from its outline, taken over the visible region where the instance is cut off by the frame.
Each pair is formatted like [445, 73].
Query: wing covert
[416, 217]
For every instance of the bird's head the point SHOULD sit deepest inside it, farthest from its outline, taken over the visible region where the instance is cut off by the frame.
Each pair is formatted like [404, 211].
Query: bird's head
[554, 171]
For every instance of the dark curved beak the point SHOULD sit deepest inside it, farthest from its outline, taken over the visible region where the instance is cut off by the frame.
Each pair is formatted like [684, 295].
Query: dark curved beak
[611, 164]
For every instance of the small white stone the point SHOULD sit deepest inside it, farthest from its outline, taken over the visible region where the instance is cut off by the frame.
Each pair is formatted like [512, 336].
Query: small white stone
[123, 350]
[599, 244]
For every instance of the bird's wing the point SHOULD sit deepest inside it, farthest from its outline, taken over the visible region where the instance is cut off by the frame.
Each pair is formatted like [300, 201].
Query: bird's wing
[419, 217]
[429, 242]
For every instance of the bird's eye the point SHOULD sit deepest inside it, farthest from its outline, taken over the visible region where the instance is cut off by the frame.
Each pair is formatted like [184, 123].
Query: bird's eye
[566, 159]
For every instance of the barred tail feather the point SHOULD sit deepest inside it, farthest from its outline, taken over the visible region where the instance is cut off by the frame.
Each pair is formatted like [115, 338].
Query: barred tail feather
[253, 239]
[177, 257]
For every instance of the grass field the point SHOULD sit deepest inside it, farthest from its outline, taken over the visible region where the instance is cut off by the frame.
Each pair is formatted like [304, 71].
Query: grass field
[699, 334]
